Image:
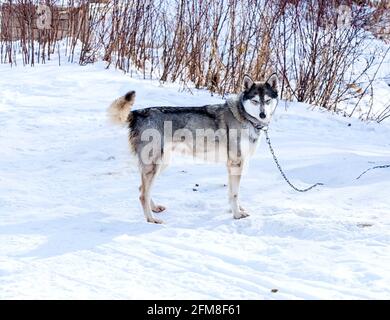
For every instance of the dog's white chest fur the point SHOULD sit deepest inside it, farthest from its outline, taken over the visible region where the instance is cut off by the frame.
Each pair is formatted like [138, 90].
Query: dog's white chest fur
[249, 141]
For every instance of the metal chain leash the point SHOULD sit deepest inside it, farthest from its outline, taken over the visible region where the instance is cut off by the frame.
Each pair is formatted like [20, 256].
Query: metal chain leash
[284, 175]
[376, 167]
[281, 170]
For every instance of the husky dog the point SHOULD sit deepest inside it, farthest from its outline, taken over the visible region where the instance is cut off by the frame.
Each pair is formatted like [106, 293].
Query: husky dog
[234, 127]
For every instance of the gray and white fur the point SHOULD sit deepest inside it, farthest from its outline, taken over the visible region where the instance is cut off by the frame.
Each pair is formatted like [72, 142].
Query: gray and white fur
[237, 125]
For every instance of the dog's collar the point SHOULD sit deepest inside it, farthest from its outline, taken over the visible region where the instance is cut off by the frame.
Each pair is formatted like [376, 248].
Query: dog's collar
[257, 126]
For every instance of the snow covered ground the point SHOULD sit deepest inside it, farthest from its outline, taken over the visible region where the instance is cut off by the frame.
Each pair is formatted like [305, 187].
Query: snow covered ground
[71, 225]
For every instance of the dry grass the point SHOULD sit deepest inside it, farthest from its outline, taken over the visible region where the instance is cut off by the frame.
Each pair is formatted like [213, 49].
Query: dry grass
[211, 44]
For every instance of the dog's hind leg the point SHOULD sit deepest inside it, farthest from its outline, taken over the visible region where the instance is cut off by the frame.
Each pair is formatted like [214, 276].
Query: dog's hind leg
[235, 171]
[155, 207]
[148, 176]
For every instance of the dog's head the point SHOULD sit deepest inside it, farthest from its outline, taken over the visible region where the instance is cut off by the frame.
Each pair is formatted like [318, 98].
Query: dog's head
[259, 99]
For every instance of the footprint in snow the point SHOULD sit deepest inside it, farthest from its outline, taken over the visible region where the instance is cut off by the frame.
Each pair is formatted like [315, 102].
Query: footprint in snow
[364, 225]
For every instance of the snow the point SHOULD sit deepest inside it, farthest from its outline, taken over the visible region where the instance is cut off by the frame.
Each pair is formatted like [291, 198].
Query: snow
[71, 226]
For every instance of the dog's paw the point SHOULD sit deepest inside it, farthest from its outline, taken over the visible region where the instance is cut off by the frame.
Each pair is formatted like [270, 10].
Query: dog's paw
[241, 215]
[155, 220]
[158, 208]
[242, 210]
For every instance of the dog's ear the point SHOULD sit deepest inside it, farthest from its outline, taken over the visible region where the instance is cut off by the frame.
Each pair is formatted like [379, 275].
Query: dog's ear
[247, 82]
[273, 82]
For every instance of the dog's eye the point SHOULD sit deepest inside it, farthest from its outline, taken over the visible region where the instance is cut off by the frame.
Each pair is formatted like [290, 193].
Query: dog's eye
[255, 101]
[268, 101]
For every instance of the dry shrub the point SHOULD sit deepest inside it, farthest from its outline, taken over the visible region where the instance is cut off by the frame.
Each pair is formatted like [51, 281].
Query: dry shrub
[208, 43]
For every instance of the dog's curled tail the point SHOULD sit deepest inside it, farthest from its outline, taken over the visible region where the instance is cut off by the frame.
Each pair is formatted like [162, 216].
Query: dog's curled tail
[119, 110]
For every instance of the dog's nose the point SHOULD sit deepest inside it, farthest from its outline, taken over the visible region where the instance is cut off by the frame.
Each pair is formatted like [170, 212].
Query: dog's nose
[262, 115]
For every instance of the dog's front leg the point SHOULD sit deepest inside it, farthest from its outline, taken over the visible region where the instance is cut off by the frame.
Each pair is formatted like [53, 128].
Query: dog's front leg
[235, 171]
